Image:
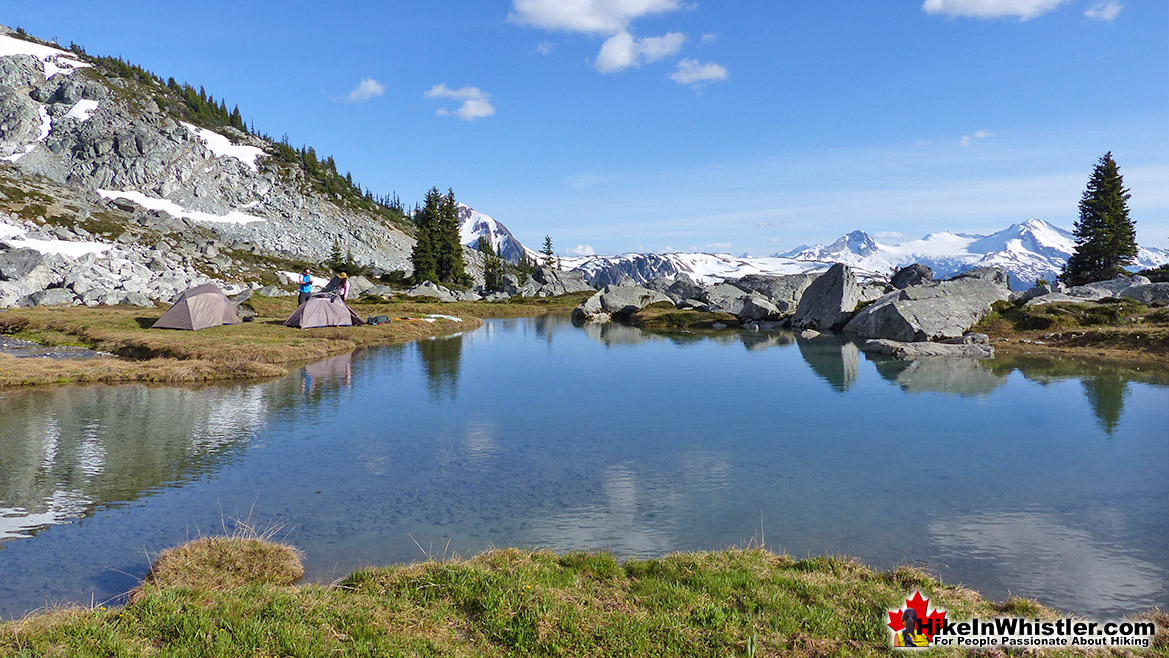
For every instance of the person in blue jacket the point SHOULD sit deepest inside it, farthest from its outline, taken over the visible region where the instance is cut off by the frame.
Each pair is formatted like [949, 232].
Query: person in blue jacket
[306, 287]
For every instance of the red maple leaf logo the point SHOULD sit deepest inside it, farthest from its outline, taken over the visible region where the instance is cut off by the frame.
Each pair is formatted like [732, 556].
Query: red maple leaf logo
[931, 621]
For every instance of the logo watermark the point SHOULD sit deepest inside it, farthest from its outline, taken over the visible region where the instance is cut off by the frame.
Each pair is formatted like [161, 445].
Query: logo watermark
[918, 624]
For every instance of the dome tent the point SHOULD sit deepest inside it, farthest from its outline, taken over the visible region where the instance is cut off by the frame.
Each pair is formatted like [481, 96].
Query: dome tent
[199, 308]
[323, 310]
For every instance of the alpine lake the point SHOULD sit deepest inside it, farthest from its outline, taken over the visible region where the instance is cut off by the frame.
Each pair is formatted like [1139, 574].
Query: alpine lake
[1018, 476]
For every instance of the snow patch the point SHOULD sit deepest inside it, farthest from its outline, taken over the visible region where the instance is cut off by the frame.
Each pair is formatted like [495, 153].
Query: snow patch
[294, 277]
[175, 210]
[73, 249]
[53, 60]
[29, 148]
[222, 146]
[46, 123]
[82, 110]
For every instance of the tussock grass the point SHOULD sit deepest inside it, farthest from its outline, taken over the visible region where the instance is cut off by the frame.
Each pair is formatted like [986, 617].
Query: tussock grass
[233, 597]
[666, 316]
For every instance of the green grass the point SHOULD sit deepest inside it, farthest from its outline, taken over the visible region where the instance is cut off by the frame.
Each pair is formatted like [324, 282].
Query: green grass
[663, 316]
[510, 602]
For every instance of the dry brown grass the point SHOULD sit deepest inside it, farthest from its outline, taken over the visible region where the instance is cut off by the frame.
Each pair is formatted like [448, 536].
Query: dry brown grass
[248, 350]
[222, 563]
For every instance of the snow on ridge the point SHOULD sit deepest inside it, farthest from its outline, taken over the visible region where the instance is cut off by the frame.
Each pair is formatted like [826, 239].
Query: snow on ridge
[82, 110]
[14, 236]
[175, 210]
[46, 123]
[53, 60]
[222, 147]
[29, 148]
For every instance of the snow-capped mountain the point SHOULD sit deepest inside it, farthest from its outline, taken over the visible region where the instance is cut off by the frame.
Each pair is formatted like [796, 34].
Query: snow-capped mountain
[701, 267]
[1027, 251]
[474, 225]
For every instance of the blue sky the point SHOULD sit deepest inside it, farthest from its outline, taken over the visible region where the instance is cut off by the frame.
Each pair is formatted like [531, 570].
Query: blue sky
[751, 126]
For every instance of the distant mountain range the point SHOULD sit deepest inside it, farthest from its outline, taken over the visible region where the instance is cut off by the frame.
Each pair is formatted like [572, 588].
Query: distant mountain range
[1027, 251]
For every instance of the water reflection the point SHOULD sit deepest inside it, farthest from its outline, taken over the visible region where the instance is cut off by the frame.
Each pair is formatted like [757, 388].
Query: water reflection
[1081, 568]
[440, 357]
[967, 377]
[67, 451]
[833, 358]
[1106, 394]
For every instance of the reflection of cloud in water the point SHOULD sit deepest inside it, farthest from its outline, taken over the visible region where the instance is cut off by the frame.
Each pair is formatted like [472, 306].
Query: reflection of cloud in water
[704, 471]
[615, 522]
[1063, 566]
[65, 451]
[941, 375]
[481, 444]
[58, 508]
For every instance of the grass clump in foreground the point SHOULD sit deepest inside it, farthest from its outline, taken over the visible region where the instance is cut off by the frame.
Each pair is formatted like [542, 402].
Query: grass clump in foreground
[502, 602]
[665, 316]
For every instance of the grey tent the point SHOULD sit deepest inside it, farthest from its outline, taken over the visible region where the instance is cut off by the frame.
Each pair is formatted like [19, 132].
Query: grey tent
[322, 310]
[198, 308]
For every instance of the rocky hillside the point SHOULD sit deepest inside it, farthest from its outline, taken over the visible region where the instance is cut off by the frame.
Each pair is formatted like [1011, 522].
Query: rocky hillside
[105, 176]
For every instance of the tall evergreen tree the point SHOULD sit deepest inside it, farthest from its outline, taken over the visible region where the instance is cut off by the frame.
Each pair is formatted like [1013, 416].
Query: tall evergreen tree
[493, 268]
[424, 257]
[450, 250]
[547, 251]
[1105, 236]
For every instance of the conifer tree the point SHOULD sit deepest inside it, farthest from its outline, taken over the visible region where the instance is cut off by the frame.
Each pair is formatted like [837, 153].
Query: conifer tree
[1105, 236]
[450, 248]
[547, 251]
[424, 257]
[492, 265]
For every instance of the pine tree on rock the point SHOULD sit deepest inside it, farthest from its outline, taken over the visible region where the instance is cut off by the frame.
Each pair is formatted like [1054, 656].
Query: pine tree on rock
[1105, 236]
[547, 251]
[449, 246]
[424, 257]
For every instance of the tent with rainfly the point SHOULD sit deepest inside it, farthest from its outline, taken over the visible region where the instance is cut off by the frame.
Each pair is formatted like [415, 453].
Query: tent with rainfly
[198, 308]
[323, 310]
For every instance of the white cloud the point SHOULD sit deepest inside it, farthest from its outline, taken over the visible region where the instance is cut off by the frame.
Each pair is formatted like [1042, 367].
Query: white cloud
[587, 16]
[709, 38]
[580, 250]
[544, 47]
[1104, 11]
[888, 235]
[978, 134]
[768, 224]
[719, 245]
[692, 72]
[623, 50]
[1022, 9]
[366, 89]
[476, 103]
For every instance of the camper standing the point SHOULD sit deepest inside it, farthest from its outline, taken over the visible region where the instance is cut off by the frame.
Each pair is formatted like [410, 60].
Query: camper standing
[343, 288]
[306, 287]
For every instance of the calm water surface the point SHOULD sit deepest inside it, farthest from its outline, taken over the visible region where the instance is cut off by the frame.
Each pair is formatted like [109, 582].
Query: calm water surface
[1034, 478]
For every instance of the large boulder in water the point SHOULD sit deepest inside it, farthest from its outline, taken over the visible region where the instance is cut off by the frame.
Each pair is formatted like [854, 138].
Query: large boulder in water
[945, 309]
[829, 301]
[616, 301]
[912, 275]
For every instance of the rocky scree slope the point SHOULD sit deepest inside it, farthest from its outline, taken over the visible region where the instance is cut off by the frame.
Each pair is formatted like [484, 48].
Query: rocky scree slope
[98, 167]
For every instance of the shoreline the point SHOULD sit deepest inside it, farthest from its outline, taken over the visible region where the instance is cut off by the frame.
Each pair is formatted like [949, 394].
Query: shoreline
[264, 349]
[241, 595]
[261, 349]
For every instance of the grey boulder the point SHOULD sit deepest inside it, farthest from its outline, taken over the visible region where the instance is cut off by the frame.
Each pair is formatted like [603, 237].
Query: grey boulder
[429, 289]
[617, 301]
[1147, 293]
[945, 309]
[829, 302]
[912, 275]
[902, 350]
[15, 263]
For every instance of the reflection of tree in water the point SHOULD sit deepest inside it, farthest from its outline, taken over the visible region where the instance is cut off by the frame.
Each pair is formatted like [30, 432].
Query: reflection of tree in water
[441, 359]
[1106, 393]
[832, 358]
